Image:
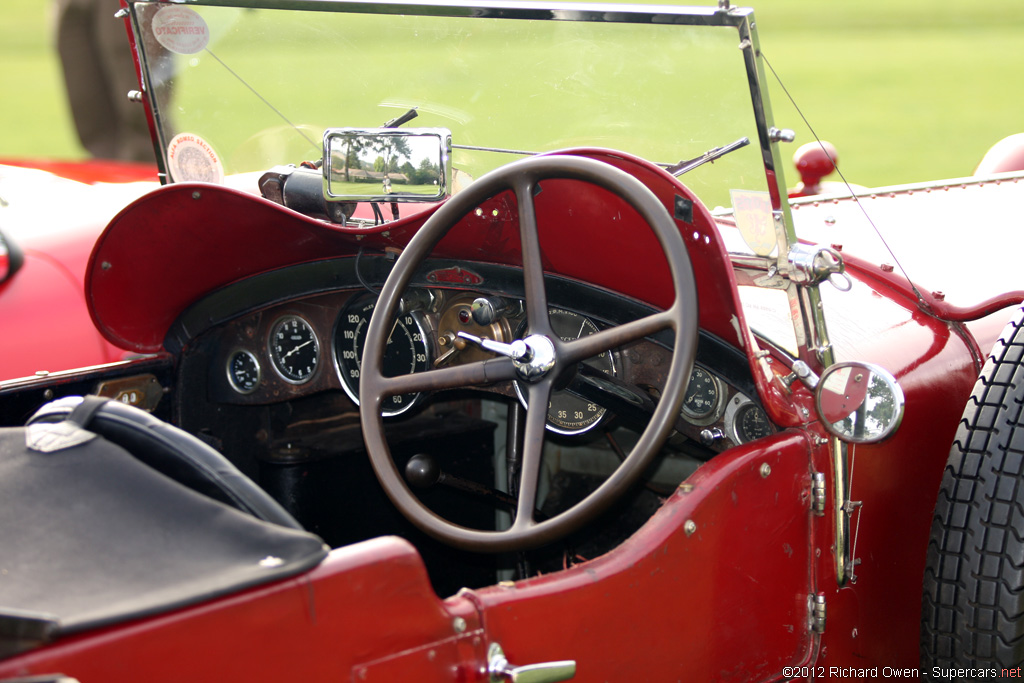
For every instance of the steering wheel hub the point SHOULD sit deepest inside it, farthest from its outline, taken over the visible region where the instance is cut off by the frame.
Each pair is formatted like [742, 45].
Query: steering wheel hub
[539, 358]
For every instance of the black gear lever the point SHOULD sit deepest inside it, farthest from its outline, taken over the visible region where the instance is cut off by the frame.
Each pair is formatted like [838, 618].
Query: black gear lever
[423, 472]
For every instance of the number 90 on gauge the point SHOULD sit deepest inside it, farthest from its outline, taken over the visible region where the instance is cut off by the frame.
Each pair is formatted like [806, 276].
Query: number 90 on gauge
[407, 351]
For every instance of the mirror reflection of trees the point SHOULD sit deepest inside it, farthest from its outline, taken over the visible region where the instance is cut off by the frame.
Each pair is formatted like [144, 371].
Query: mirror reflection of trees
[874, 414]
[387, 161]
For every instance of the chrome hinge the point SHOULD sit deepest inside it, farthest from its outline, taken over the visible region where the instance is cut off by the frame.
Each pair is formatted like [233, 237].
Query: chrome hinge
[818, 494]
[547, 672]
[818, 613]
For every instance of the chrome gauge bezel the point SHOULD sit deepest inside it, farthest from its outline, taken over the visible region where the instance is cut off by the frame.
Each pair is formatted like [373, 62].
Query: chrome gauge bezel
[277, 360]
[232, 376]
[718, 407]
[737, 405]
[603, 412]
[362, 308]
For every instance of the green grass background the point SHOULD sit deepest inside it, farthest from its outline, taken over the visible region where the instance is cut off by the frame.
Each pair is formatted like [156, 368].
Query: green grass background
[908, 91]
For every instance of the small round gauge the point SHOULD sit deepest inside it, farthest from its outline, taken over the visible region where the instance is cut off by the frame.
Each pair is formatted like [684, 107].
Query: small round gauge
[703, 396]
[407, 350]
[244, 372]
[751, 423]
[294, 349]
[569, 413]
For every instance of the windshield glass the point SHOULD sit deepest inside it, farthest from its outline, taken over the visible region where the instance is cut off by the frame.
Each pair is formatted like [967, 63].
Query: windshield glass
[244, 89]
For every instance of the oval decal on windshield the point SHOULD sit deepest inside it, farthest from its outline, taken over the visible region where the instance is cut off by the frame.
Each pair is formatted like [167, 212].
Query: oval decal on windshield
[180, 30]
[191, 159]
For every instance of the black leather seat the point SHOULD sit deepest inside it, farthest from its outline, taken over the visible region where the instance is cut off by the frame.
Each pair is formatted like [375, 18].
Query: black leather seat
[169, 450]
[129, 518]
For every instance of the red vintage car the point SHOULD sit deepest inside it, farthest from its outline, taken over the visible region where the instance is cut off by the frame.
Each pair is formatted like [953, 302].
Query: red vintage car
[43, 255]
[771, 439]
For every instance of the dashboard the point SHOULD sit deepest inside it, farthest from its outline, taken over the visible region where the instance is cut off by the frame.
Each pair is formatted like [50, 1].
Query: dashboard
[301, 346]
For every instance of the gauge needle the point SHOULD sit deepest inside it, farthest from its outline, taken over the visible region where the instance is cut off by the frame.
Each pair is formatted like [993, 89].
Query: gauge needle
[305, 343]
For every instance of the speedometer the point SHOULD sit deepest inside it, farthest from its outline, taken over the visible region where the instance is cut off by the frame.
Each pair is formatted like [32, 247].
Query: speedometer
[407, 350]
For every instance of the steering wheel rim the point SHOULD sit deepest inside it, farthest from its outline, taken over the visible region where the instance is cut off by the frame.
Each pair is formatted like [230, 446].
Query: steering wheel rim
[521, 177]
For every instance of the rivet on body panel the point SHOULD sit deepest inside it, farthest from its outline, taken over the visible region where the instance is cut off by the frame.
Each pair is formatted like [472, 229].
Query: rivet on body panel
[690, 527]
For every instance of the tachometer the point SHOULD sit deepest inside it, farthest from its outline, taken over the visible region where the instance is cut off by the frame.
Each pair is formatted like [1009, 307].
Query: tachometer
[294, 349]
[407, 350]
[569, 413]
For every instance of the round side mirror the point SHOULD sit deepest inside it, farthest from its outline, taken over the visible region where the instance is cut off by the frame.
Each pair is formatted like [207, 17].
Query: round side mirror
[859, 402]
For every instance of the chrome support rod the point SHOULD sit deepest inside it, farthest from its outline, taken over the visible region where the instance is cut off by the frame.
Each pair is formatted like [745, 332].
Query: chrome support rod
[840, 496]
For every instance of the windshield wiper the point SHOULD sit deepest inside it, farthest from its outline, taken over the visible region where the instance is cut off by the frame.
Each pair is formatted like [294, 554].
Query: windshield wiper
[711, 155]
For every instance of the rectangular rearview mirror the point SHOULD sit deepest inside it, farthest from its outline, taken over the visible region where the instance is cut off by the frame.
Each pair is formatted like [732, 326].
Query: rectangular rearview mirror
[386, 164]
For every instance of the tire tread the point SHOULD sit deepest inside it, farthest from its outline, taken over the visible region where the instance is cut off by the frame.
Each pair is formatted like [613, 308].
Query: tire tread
[973, 591]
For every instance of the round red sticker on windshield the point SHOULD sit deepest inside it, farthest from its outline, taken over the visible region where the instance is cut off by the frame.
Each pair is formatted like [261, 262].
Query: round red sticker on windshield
[180, 30]
[191, 159]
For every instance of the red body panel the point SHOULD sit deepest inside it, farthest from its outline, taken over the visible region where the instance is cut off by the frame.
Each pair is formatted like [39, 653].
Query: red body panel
[875, 620]
[354, 612]
[675, 602]
[45, 300]
[43, 292]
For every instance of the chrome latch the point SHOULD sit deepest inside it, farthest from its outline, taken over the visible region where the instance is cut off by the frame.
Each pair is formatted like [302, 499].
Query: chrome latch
[547, 672]
[802, 371]
[812, 265]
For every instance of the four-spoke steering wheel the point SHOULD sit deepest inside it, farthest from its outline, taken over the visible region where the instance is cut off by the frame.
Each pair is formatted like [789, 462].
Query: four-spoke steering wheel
[537, 360]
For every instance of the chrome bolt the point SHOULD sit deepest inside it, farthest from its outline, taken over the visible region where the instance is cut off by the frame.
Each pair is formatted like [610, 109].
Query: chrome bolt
[459, 624]
[766, 470]
[690, 527]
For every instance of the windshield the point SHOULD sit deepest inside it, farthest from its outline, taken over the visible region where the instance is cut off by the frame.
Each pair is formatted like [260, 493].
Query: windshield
[244, 89]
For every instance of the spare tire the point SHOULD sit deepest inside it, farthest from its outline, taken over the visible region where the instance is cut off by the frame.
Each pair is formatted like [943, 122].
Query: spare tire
[972, 613]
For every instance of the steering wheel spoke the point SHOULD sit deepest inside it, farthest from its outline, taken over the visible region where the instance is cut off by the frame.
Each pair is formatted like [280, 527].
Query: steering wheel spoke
[533, 261]
[591, 345]
[469, 375]
[532, 452]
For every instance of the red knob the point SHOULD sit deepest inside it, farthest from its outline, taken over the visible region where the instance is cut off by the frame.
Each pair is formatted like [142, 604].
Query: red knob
[814, 161]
